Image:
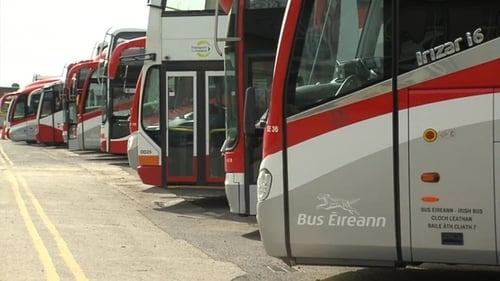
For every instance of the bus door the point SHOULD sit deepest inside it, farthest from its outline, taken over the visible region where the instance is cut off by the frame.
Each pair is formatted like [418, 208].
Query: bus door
[445, 153]
[89, 113]
[71, 117]
[115, 122]
[215, 132]
[73, 98]
[182, 126]
[259, 76]
[50, 116]
[195, 126]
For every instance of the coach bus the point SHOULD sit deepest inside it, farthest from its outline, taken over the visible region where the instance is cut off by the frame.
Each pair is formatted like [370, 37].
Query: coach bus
[252, 38]
[21, 116]
[83, 100]
[5, 101]
[119, 88]
[381, 144]
[49, 126]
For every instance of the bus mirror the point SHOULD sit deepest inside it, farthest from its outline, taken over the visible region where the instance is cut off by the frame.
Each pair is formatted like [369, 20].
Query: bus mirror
[216, 29]
[249, 112]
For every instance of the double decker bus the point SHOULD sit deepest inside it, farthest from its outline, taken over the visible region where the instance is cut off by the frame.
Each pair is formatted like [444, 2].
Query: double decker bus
[181, 113]
[21, 115]
[119, 88]
[49, 126]
[381, 145]
[252, 38]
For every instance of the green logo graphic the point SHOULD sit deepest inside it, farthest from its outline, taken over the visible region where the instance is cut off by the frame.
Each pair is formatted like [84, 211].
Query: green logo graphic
[202, 49]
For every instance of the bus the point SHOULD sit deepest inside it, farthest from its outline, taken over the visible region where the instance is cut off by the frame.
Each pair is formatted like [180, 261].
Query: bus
[83, 103]
[5, 100]
[252, 38]
[117, 80]
[381, 144]
[49, 127]
[21, 114]
[182, 110]
[5, 96]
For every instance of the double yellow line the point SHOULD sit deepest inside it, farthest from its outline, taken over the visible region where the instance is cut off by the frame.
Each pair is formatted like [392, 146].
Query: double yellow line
[43, 254]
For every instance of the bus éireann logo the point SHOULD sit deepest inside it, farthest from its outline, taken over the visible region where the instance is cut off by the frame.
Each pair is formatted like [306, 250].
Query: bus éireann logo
[202, 49]
[330, 203]
[340, 213]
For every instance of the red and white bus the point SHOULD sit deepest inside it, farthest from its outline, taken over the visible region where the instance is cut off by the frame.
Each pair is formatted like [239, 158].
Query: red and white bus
[381, 145]
[5, 101]
[117, 79]
[254, 28]
[49, 127]
[21, 115]
[83, 104]
[181, 114]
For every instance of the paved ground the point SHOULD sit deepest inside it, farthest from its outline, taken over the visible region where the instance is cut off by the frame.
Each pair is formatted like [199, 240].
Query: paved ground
[86, 216]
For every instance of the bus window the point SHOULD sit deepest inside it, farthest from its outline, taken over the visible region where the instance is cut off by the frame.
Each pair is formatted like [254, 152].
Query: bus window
[334, 61]
[20, 108]
[95, 97]
[46, 107]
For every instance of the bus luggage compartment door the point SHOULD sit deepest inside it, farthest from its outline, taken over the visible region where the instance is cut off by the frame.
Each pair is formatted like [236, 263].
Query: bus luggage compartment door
[451, 176]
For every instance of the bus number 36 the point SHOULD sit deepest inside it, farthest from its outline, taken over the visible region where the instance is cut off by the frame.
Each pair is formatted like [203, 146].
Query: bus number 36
[272, 128]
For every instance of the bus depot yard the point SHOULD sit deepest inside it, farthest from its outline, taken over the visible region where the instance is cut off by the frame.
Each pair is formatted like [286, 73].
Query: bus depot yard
[263, 140]
[87, 216]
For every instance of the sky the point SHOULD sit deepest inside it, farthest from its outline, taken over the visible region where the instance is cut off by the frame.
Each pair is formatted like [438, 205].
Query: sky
[41, 37]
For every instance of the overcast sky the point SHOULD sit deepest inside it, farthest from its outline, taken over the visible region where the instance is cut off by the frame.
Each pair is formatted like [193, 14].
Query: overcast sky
[42, 36]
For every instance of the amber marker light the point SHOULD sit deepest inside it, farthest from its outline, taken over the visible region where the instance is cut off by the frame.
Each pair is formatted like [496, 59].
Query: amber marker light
[430, 199]
[430, 177]
[430, 135]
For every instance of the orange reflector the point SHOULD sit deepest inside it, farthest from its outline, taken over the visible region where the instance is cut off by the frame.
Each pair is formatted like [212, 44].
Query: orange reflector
[430, 199]
[430, 177]
[430, 135]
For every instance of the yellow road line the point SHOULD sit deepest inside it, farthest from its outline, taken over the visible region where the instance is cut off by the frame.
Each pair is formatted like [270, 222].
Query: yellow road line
[5, 157]
[61, 244]
[43, 254]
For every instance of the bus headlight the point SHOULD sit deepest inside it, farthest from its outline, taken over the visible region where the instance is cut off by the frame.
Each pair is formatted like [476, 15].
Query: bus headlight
[264, 182]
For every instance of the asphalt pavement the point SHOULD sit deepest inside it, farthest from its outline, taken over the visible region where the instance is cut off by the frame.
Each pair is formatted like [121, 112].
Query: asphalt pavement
[85, 215]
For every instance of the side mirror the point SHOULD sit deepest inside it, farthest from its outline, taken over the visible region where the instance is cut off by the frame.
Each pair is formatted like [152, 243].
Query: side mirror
[249, 115]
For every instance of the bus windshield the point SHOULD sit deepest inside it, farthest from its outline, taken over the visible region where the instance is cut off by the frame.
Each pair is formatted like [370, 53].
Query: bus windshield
[340, 53]
[342, 46]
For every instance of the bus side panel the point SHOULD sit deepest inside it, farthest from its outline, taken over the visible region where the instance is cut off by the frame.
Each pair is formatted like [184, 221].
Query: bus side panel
[341, 191]
[50, 128]
[23, 130]
[453, 213]
[148, 160]
[89, 131]
[270, 213]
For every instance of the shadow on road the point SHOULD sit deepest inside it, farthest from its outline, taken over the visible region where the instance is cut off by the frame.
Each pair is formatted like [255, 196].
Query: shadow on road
[433, 273]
